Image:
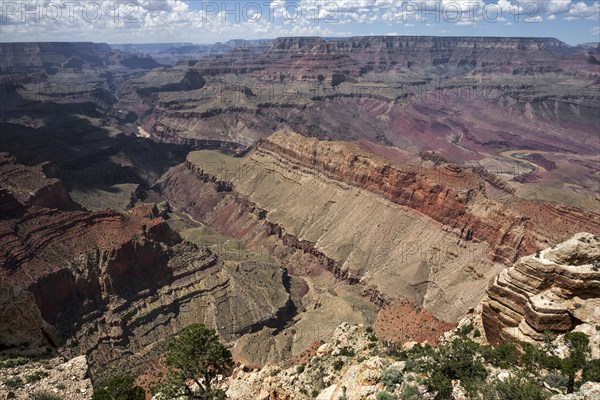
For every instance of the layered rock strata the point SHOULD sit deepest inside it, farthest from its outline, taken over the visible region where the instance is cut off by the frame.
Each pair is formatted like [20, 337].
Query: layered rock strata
[554, 290]
[115, 286]
[403, 230]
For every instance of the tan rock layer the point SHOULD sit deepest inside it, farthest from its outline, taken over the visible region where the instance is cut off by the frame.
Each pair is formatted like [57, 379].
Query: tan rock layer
[449, 195]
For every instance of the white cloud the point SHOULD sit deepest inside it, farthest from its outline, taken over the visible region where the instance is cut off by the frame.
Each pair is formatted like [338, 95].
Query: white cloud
[536, 20]
[164, 19]
[583, 10]
[595, 31]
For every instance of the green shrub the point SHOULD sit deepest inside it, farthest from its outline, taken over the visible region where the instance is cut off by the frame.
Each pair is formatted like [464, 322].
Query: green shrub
[412, 365]
[14, 362]
[300, 369]
[534, 359]
[410, 392]
[383, 395]
[14, 382]
[578, 344]
[394, 351]
[391, 377]
[119, 387]
[459, 360]
[36, 376]
[196, 352]
[440, 384]
[591, 372]
[338, 364]
[44, 396]
[504, 355]
[517, 388]
[466, 329]
[346, 351]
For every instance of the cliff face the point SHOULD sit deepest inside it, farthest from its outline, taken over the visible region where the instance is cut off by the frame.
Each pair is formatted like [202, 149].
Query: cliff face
[404, 231]
[359, 55]
[52, 57]
[451, 195]
[34, 186]
[448, 95]
[448, 195]
[553, 290]
[115, 286]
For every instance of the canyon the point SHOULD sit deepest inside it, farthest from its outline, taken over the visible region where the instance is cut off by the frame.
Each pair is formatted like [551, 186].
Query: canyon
[291, 193]
[114, 286]
[416, 230]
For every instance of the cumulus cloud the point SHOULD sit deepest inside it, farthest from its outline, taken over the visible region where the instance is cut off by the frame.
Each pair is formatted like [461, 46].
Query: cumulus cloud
[204, 21]
[583, 10]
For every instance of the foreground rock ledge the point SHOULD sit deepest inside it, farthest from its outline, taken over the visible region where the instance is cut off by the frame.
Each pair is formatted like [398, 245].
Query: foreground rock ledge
[554, 290]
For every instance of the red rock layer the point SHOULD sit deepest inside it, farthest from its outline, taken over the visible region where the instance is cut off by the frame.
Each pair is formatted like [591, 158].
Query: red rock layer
[449, 195]
[43, 240]
[36, 186]
[401, 322]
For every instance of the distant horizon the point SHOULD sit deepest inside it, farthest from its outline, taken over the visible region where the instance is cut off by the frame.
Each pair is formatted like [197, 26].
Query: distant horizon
[300, 36]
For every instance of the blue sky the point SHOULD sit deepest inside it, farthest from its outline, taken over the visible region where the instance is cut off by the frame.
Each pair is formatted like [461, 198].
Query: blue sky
[207, 21]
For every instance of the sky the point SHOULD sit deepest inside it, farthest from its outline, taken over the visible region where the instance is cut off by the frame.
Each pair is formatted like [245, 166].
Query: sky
[206, 21]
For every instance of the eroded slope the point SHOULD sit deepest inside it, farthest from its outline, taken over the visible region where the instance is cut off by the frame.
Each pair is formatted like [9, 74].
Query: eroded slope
[115, 286]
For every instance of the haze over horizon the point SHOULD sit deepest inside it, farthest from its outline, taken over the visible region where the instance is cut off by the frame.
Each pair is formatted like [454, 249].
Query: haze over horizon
[204, 22]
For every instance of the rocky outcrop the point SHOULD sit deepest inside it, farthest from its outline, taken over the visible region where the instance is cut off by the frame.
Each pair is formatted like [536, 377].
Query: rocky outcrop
[50, 376]
[587, 391]
[34, 186]
[353, 378]
[554, 290]
[20, 321]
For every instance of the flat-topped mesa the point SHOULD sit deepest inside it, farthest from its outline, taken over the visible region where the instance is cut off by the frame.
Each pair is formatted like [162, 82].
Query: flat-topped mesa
[553, 290]
[20, 57]
[420, 42]
[358, 55]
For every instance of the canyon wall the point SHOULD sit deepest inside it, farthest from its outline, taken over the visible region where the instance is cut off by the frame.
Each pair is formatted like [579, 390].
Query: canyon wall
[115, 286]
[424, 234]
